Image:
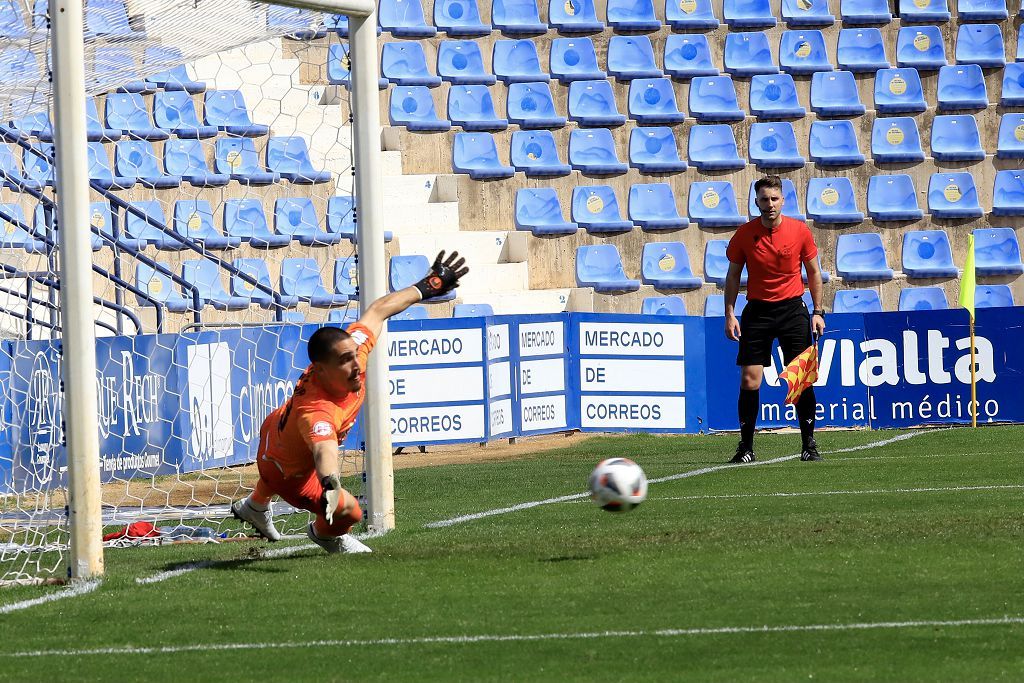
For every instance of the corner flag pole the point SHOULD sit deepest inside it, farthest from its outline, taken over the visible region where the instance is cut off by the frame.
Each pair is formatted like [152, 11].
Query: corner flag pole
[967, 284]
[974, 382]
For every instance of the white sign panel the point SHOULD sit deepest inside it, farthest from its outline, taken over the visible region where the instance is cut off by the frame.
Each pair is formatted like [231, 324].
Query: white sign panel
[209, 400]
[501, 417]
[630, 339]
[436, 385]
[541, 376]
[543, 412]
[429, 347]
[497, 342]
[437, 423]
[633, 412]
[614, 375]
[541, 339]
[499, 377]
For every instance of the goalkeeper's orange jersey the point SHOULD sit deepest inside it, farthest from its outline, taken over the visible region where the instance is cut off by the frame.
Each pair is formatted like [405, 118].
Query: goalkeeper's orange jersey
[311, 416]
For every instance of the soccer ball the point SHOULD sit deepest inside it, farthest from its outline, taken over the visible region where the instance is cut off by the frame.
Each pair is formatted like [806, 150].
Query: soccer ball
[618, 485]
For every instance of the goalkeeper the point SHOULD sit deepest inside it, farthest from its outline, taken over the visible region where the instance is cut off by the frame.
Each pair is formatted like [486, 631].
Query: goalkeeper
[298, 450]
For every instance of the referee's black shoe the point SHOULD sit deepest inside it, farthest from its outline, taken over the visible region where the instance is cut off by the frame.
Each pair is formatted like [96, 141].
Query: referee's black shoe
[810, 452]
[743, 454]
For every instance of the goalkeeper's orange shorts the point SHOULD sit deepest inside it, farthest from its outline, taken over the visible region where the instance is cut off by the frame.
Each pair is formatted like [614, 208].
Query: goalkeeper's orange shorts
[304, 492]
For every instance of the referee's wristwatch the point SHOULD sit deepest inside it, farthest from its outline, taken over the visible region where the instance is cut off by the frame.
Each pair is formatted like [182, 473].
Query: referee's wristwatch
[818, 311]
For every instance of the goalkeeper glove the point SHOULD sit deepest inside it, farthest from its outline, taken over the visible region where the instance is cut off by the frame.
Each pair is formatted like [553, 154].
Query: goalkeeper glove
[331, 495]
[443, 276]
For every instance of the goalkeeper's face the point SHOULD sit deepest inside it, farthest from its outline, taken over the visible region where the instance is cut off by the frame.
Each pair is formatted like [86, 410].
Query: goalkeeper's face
[338, 374]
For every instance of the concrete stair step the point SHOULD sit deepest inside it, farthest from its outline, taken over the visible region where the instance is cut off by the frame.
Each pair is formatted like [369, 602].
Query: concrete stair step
[478, 248]
[521, 302]
[494, 278]
[423, 219]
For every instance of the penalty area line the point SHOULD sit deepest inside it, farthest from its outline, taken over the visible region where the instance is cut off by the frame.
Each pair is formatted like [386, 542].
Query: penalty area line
[71, 592]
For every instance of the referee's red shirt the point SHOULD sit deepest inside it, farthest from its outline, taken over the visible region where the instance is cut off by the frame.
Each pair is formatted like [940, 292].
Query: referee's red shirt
[773, 257]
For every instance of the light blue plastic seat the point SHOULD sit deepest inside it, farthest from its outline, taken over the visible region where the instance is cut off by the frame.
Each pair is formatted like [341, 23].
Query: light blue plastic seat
[980, 44]
[193, 219]
[289, 156]
[862, 257]
[861, 50]
[535, 153]
[161, 290]
[713, 98]
[401, 63]
[773, 145]
[346, 278]
[101, 172]
[404, 18]
[997, 252]
[953, 195]
[110, 68]
[300, 277]
[1010, 144]
[712, 204]
[174, 76]
[688, 55]
[981, 10]
[926, 253]
[412, 106]
[864, 12]
[100, 220]
[187, 160]
[416, 312]
[592, 103]
[716, 263]
[406, 270]
[135, 159]
[652, 206]
[477, 155]
[517, 17]
[714, 305]
[574, 16]
[472, 108]
[935, 11]
[150, 231]
[245, 220]
[539, 211]
[806, 13]
[835, 93]
[713, 148]
[825, 277]
[460, 63]
[856, 301]
[339, 66]
[256, 268]
[653, 100]
[921, 48]
[15, 230]
[896, 140]
[961, 87]
[653, 150]
[574, 59]
[898, 91]
[127, 113]
[791, 201]
[516, 61]
[459, 18]
[666, 265]
[1012, 94]
[698, 15]
[530, 105]
[831, 200]
[748, 54]
[297, 218]
[993, 296]
[472, 311]
[803, 52]
[600, 266]
[341, 218]
[956, 138]
[175, 112]
[299, 24]
[662, 305]
[338, 24]
[226, 110]
[36, 125]
[596, 209]
[834, 143]
[631, 57]
[632, 15]
[893, 198]
[739, 14]
[237, 157]
[1008, 193]
[95, 131]
[12, 21]
[773, 96]
[205, 275]
[37, 165]
[592, 151]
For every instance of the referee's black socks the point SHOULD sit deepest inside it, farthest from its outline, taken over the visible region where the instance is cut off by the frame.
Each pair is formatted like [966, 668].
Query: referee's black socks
[750, 401]
[805, 409]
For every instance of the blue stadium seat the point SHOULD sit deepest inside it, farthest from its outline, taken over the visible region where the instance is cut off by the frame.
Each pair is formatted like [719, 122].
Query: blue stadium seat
[346, 277]
[299, 24]
[530, 105]
[574, 16]
[460, 62]
[956, 138]
[896, 140]
[804, 13]
[160, 289]
[36, 125]
[599, 266]
[631, 57]
[714, 305]
[893, 198]
[921, 48]
[101, 172]
[412, 106]
[539, 211]
[773, 145]
[867, 12]
[835, 93]
[1008, 193]
[632, 15]
[187, 160]
[653, 100]
[690, 16]
[923, 299]
[713, 98]
[472, 108]
[662, 305]
[127, 113]
[205, 275]
[404, 18]
[516, 61]
[834, 143]
[297, 218]
[592, 103]
[653, 207]
[926, 253]
[666, 265]
[95, 131]
[37, 164]
[193, 219]
[993, 296]
[256, 268]
[688, 55]
[175, 76]
[596, 209]
[803, 52]
[1010, 143]
[1012, 94]
[862, 257]
[339, 70]
[140, 233]
[997, 252]
[935, 11]
[748, 14]
[791, 202]
[245, 220]
[716, 263]
[517, 18]
[861, 50]
[712, 204]
[459, 18]
[953, 195]
[341, 218]
[402, 63]
[535, 153]
[898, 91]
[100, 219]
[653, 150]
[856, 301]
[175, 112]
[289, 156]
[300, 277]
[416, 312]
[345, 317]
[574, 59]
[713, 148]
[237, 157]
[825, 275]
[12, 22]
[109, 69]
[338, 24]
[592, 151]
[12, 175]
[472, 311]
[406, 270]
[748, 54]
[773, 96]
[832, 200]
[226, 110]
[135, 159]
[14, 232]
[980, 44]
[981, 10]
[961, 87]
[477, 155]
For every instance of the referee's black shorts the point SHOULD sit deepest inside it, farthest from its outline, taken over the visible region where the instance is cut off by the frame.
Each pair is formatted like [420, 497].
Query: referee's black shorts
[764, 321]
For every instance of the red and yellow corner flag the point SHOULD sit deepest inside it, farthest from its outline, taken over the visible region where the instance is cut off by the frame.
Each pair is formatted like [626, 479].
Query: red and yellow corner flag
[801, 373]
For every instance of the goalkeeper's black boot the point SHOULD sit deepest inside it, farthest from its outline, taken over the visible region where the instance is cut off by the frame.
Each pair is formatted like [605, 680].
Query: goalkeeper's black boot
[809, 453]
[744, 454]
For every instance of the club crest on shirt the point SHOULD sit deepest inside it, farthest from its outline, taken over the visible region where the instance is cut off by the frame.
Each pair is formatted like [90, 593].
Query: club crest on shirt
[323, 428]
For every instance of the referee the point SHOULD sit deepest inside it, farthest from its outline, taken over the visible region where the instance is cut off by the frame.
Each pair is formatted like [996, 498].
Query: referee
[772, 247]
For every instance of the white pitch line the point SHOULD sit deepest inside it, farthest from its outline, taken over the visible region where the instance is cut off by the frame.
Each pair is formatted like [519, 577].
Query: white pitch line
[797, 494]
[71, 592]
[515, 637]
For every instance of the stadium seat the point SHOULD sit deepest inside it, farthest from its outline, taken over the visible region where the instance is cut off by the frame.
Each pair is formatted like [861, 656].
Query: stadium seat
[923, 299]
[653, 100]
[712, 204]
[412, 106]
[713, 148]
[101, 172]
[935, 11]
[539, 211]
[161, 290]
[406, 270]
[596, 209]
[245, 221]
[791, 202]
[716, 263]
[297, 218]
[662, 305]
[472, 108]
[472, 311]
[864, 12]
[1012, 94]
[404, 19]
[175, 76]
[861, 50]
[36, 125]
[835, 93]
[652, 206]
[653, 150]
[341, 218]
[898, 91]
[698, 15]
[175, 112]
[856, 301]
[288, 156]
[135, 159]
[516, 61]
[477, 155]
[599, 266]
[893, 198]
[530, 105]
[748, 54]
[740, 14]
[237, 157]
[12, 22]
[714, 305]
[110, 68]
[346, 277]
[592, 103]
[404, 63]
[981, 10]
[300, 277]
[953, 195]
[339, 67]
[416, 312]
[15, 231]
[632, 15]
[834, 143]
[997, 252]
[926, 253]
[127, 113]
[338, 25]
[803, 52]
[804, 13]
[980, 44]
[226, 110]
[95, 131]
[535, 153]
[37, 164]
[574, 59]
[1010, 144]
[517, 18]
[460, 62]
[300, 24]
[688, 55]
[666, 265]
[187, 159]
[713, 98]
[832, 200]
[956, 138]
[256, 268]
[773, 96]
[862, 257]
[921, 48]
[592, 151]
[631, 57]
[993, 296]
[961, 87]
[459, 18]
[574, 16]
[193, 219]
[12, 175]
[205, 275]
[825, 275]
[1008, 193]
[150, 231]
[773, 145]
[100, 219]
[896, 140]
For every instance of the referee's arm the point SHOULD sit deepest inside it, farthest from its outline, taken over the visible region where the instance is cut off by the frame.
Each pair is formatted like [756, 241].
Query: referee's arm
[732, 290]
[816, 289]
